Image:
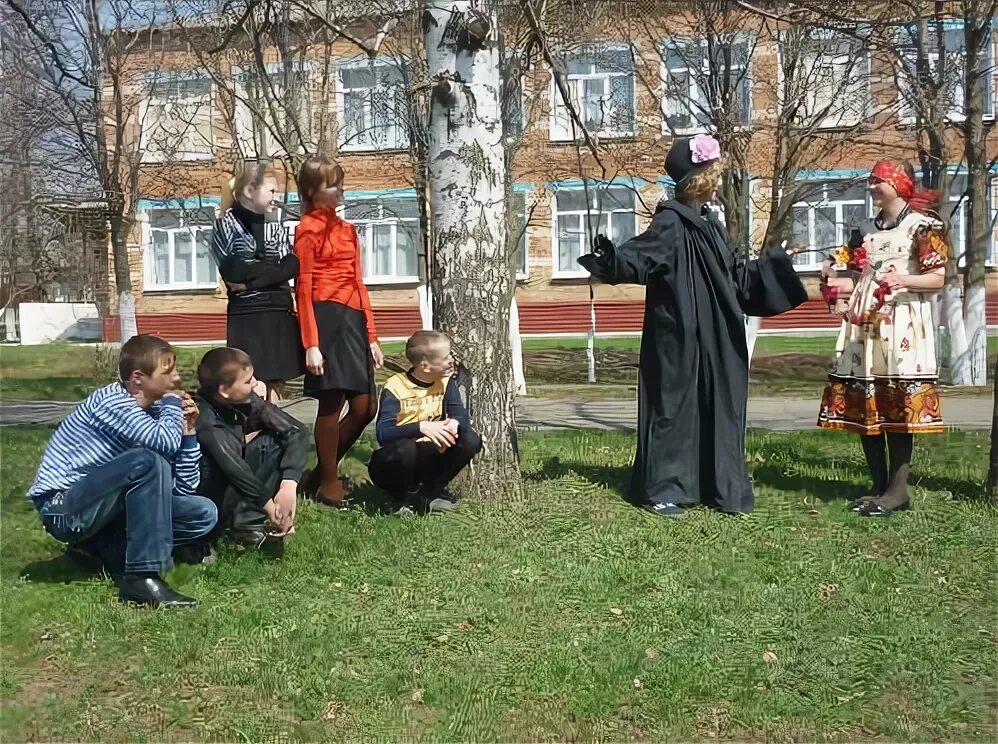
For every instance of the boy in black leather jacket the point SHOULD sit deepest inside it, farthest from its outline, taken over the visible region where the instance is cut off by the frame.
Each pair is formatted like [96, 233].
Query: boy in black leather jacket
[253, 453]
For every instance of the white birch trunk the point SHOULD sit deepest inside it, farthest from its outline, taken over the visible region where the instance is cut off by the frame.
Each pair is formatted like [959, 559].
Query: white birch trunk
[752, 326]
[126, 316]
[516, 347]
[959, 349]
[425, 297]
[975, 323]
[471, 275]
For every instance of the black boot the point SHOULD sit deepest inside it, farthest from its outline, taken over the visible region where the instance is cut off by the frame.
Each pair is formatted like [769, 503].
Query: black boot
[150, 589]
[875, 449]
[895, 497]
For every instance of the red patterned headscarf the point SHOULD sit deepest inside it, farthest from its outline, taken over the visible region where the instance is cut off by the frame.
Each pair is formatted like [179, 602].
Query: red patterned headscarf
[895, 175]
[919, 200]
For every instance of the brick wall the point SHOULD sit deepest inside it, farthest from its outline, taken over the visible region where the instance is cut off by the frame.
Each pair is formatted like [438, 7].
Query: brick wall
[538, 161]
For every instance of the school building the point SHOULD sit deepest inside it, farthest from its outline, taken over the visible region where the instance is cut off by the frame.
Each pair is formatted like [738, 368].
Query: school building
[632, 86]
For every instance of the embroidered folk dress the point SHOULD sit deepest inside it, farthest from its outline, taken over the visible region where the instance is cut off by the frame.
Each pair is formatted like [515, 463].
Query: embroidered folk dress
[884, 376]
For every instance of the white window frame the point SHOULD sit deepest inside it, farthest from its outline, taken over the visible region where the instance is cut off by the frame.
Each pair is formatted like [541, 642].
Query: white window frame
[247, 126]
[826, 201]
[594, 212]
[958, 242]
[906, 62]
[833, 121]
[365, 237]
[400, 131]
[148, 270]
[560, 128]
[205, 148]
[665, 75]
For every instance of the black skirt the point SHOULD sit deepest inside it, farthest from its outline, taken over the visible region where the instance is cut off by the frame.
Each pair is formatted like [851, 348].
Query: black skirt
[345, 348]
[272, 339]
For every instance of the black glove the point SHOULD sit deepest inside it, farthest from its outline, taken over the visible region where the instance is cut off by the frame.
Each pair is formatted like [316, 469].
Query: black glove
[601, 244]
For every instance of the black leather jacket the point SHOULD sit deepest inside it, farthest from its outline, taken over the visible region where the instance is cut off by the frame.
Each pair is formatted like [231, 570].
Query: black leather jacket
[222, 434]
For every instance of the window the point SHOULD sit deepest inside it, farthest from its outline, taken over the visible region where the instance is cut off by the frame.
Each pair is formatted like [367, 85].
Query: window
[825, 220]
[373, 103]
[388, 231]
[831, 85]
[691, 64]
[176, 120]
[610, 211]
[956, 211]
[910, 92]
[601, 85]
[274, 115]
[178, 254]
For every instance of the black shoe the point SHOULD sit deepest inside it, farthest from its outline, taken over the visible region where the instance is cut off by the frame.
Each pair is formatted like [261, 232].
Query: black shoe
[665, 510]
[863, 502]
[252, 538]
[151, 590]
[194, 553]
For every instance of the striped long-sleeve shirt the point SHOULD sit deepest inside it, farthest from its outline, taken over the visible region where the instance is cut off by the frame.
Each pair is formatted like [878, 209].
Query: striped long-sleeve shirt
[109, 423]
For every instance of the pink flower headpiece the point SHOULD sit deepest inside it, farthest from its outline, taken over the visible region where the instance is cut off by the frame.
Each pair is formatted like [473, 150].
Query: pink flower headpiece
[704, 148]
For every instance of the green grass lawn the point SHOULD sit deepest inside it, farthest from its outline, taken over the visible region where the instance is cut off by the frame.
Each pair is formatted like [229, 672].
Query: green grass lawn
[566, 615]
[782, 365]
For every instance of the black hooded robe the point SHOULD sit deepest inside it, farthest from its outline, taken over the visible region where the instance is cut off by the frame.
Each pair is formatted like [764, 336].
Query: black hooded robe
[693, 368]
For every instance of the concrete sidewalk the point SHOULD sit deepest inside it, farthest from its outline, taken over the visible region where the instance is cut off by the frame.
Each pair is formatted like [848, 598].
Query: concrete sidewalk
[778, 414]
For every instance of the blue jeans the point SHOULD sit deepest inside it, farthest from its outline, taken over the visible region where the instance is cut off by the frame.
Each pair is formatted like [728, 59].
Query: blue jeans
[130, 497]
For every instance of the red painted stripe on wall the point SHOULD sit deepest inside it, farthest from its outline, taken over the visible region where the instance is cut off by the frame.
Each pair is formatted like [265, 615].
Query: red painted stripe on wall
[535, 318]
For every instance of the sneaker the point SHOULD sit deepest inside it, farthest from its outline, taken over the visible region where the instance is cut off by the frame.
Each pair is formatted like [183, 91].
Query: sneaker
[440, 506]
[667, 509]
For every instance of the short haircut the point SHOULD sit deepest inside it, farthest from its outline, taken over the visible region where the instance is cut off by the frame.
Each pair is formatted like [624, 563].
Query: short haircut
[221, 367]
[142, 353]
[422, 344]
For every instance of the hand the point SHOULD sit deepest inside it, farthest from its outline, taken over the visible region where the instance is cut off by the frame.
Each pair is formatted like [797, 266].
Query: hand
[893, 278]
[436, 432]
[287, 500]
[601, 244]
[379, 356]
[451, 425]
[274, 513]
[314, 361]
[827, 272]
[795, 249]
[260, 388]
[190, 409]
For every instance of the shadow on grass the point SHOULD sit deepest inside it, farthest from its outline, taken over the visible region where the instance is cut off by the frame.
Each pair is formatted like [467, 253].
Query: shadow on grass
[65, 568]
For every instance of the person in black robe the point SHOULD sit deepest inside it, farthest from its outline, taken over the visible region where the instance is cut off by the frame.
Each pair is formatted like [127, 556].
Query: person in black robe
[693, 368]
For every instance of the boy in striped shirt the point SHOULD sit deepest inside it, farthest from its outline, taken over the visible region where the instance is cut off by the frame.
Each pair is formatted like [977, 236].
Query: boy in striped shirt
[124, 468]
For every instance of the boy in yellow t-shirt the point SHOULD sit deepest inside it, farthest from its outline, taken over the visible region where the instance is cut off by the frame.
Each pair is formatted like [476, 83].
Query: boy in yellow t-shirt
[423, 428]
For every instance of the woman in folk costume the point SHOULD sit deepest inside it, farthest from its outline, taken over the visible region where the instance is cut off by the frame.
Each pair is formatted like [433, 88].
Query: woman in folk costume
[693, 368]
[255, 260]
[882, 384]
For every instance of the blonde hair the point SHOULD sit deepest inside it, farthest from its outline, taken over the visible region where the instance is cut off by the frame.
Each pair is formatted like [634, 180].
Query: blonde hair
[316, 173]
[701, 186]
[253, 173]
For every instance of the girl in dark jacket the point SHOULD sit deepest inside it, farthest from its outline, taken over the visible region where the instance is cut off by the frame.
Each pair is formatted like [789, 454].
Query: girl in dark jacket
[256, 262]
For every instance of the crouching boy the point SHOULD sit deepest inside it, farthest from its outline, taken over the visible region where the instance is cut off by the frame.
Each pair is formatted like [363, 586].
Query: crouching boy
[253, 452]
[119, 476]
[423, 429]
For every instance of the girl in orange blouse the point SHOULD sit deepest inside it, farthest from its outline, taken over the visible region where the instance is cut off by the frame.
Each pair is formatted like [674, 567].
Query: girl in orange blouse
[337, 327]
